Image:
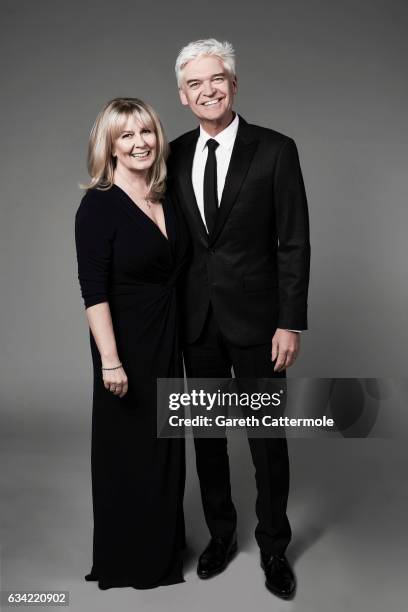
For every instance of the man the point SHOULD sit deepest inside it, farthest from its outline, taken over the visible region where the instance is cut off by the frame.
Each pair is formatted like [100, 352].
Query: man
[241, 190]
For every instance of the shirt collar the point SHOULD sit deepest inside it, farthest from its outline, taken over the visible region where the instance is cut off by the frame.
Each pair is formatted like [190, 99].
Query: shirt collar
[225, 138]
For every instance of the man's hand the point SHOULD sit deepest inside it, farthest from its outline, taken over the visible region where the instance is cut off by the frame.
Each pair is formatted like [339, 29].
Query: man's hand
[285, 348]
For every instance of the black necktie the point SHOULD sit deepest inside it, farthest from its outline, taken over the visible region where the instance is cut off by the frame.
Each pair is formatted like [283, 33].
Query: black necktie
[210, 186]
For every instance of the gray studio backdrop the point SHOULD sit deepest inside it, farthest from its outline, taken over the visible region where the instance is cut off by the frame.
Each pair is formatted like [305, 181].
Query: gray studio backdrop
[329, 74]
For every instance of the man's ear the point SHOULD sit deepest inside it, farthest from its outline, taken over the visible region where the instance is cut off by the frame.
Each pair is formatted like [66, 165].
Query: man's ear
[235, 84]
[183, 97]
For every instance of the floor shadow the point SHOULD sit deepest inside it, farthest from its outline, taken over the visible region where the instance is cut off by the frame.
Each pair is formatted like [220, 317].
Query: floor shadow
[303, 540]
[190, 558]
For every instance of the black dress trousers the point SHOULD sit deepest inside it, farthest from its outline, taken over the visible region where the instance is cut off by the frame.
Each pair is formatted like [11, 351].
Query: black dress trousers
[212, 356]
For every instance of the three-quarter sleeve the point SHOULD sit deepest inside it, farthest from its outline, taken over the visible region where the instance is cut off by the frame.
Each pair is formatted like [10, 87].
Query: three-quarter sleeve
[94, 233]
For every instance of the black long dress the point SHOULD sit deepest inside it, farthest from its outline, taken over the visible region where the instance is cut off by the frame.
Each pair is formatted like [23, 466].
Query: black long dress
[137, 478]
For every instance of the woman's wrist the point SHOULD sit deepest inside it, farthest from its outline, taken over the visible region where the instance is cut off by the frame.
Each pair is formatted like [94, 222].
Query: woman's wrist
[112, 369]
[110, 361]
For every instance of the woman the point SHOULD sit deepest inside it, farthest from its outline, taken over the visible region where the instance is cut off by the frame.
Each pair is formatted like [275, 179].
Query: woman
[131, 245]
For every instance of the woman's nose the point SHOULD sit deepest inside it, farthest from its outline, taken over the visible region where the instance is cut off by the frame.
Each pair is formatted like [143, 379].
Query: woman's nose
[139, 140]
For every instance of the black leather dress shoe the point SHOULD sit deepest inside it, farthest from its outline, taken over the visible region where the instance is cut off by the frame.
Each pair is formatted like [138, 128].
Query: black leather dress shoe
[280, 579]
[216, 556]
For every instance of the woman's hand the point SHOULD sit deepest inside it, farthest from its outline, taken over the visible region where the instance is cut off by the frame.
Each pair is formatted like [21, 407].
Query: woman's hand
[115, 381]
[100, 323]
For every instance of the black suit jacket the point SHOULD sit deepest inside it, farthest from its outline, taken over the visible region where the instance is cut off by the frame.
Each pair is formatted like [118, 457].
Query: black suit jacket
[254, 266]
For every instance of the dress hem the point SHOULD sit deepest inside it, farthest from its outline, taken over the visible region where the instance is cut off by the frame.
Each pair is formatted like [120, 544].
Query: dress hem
[117, 582]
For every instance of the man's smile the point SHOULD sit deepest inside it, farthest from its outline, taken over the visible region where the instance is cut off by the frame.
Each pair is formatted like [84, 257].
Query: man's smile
[212, 102]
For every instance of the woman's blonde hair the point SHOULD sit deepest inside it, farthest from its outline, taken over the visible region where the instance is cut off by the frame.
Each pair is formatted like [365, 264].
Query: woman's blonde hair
[108, 125]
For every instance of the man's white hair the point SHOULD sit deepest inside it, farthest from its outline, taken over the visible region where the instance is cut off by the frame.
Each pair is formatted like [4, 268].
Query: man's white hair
[209, 46]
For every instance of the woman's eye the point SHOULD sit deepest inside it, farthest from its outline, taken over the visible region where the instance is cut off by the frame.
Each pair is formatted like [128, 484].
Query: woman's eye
[126, 135]
[146, 131]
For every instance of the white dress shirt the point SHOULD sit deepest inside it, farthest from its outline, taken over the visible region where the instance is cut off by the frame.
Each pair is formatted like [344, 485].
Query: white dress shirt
[226, 140]
[223, 153]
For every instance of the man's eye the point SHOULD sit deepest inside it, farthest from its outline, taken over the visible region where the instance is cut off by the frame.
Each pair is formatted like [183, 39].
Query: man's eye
[193, 85]
[219, 79]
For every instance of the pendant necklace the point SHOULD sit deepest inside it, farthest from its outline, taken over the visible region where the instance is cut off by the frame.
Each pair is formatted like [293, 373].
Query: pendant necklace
[146, 201]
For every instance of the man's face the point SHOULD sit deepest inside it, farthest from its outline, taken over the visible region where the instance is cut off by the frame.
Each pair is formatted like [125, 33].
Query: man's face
[208, 88]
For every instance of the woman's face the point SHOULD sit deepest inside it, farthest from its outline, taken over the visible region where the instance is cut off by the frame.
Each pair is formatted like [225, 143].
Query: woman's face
[135, 147]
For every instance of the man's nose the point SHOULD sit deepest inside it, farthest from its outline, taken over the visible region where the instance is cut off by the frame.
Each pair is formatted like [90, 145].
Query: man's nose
[208, 88]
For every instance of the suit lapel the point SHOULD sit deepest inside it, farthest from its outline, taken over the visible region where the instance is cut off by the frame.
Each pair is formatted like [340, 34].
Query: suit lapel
[241, 158]
[242, 154]
[189, 202]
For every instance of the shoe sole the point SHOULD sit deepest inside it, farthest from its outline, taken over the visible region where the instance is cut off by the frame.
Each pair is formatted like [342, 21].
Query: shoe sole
[231, 554]
[280, 595]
